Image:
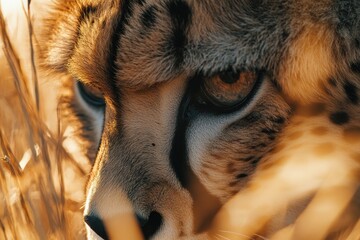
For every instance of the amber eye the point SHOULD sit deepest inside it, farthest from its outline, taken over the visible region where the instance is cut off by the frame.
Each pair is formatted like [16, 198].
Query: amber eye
[90, 95]
[229, 89]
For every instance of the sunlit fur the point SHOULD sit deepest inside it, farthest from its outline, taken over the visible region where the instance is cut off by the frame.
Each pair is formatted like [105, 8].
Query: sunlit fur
[294, 146]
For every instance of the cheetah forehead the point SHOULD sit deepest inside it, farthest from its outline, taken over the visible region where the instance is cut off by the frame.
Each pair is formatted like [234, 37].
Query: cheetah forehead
[139, 43]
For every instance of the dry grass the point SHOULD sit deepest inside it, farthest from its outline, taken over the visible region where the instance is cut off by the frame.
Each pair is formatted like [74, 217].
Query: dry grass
[34, 166]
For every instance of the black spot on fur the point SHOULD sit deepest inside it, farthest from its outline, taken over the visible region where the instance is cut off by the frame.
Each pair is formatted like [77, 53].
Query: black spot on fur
[85, 12]
[339, 118]
[258, 146]
[255, 161]
[103, 25]
[332, 82]
[279, 120]
[252, 159]
[253, 117]
[180, 15]
[247, 159]
[148, 17]
[351, 92]
[355, 67]
[357, 43]
[269, 131]
[241, 175]
[285, 35]
[140, 2]
[272, 137]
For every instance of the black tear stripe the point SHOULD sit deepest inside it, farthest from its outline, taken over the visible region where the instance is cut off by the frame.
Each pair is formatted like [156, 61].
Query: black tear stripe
[180, 15]
[179, 160]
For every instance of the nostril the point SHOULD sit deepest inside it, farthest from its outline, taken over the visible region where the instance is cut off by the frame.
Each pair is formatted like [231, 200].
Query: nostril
[150, 225]
[97, 225]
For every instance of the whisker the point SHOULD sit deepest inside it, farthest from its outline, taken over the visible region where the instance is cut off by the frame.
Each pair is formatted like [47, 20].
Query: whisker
[262, 237]
[223, 237]
[238, 234]
[217, 238]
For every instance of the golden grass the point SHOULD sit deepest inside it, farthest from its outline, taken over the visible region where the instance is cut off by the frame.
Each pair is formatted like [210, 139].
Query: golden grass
[35, 202]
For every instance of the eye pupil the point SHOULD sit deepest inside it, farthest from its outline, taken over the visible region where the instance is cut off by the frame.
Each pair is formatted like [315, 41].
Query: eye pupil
[229, 76]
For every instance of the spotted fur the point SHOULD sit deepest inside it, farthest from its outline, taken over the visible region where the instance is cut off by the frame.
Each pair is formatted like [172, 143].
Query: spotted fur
[165, 151]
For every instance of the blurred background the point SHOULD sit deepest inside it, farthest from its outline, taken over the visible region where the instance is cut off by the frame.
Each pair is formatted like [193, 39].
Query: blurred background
[42, 170]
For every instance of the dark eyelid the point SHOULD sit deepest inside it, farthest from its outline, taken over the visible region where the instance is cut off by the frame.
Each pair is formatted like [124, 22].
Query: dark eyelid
[91, 99]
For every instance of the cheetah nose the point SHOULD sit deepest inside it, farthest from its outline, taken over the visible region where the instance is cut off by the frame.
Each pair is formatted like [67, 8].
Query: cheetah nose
[150, 225]
[97, 225]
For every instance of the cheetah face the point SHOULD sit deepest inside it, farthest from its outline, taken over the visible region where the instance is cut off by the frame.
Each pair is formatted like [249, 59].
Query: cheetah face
[189, 102]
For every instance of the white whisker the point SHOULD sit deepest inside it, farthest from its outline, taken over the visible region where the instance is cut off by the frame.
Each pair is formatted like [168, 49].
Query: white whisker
[262, 237]
[240, 234]
[223, 237]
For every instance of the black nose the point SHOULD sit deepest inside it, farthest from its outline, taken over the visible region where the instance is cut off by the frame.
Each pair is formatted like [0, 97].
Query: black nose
[97, 225]
[150, 225]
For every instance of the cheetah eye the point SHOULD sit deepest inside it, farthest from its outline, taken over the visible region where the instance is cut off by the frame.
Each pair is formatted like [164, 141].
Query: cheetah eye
[229, 89]
[90, 95]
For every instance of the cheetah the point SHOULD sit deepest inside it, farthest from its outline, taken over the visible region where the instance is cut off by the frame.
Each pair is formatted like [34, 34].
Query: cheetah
[209, 119]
